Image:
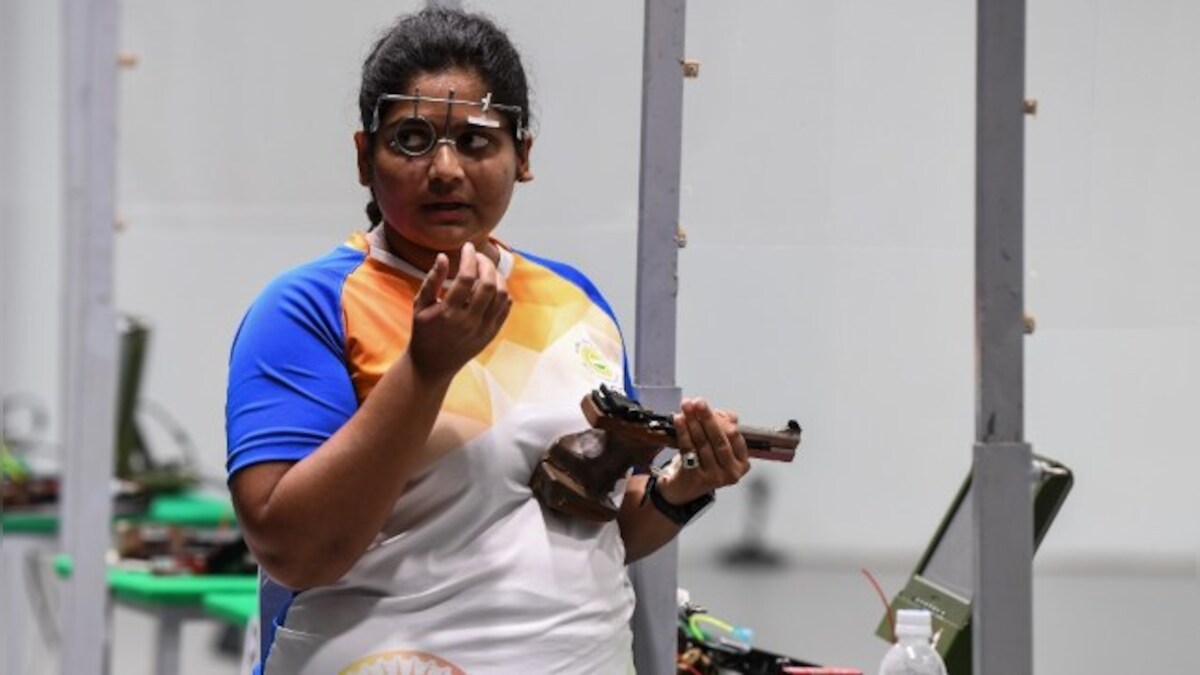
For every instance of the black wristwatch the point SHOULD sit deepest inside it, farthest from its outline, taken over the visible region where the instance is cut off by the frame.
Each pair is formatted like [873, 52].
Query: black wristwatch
[682, 514]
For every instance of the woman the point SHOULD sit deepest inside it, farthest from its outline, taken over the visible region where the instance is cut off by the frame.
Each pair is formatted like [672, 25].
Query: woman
[389, 402]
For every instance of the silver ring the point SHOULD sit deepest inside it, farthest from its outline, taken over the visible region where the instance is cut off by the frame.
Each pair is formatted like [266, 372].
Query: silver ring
[690, 459]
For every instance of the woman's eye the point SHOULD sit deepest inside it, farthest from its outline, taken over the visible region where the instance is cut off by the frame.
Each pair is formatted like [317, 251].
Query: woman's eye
[412, 138]
[474, 141]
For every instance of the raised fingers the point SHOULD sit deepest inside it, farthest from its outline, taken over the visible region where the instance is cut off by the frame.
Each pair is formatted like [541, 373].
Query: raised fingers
[501, 303]
[463, 285]
[432, 283]
[484, 292]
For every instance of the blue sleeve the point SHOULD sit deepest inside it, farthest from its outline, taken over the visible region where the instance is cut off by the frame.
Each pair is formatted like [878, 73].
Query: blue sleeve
[579, 279]
[289, 386]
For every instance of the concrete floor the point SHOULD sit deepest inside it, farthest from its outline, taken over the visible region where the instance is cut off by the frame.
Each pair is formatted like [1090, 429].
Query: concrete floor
[1085, 623]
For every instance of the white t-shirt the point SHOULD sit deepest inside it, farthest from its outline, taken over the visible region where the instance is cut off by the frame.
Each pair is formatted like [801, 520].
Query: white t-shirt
[469, 574]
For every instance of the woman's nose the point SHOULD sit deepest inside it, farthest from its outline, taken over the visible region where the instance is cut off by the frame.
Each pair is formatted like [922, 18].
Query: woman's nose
[445, 163]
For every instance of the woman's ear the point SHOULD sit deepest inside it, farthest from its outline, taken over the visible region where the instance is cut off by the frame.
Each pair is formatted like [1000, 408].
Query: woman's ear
[362, 147]
[524, 173]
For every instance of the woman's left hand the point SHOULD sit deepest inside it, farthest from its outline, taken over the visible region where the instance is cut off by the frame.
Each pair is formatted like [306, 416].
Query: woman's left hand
[720, 450]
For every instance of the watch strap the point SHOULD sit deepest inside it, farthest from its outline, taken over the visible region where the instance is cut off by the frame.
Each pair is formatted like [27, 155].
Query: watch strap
[680, 514]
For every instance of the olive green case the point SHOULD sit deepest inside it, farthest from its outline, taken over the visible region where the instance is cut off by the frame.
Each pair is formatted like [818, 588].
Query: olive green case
[942, 581]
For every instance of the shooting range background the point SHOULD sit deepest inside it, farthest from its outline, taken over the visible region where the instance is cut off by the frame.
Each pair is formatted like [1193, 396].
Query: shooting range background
[828, 204]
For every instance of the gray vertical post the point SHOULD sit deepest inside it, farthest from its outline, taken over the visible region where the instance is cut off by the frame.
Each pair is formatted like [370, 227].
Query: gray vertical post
[90, 344]
[1003, 606]
[655, 577]
[14, 615]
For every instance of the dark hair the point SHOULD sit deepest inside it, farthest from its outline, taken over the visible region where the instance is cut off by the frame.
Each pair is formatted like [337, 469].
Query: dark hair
[434, 40]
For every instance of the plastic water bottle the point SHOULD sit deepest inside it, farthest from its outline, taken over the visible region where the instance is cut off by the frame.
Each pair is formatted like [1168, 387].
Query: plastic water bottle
[913, 654]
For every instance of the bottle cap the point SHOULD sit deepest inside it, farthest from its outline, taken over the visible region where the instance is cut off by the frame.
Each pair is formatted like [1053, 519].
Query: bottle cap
[914, 623]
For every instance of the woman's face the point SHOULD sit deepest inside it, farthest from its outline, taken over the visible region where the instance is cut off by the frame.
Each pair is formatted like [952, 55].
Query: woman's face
[456, 192]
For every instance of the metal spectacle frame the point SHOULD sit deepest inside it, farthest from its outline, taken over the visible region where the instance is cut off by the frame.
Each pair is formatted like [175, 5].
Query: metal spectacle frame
[485, 104]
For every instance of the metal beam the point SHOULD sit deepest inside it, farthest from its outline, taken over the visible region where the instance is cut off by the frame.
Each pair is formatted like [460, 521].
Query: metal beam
[999, 219]
[1002, 641]
[655, 578]
[90, 344]
[1003, 608]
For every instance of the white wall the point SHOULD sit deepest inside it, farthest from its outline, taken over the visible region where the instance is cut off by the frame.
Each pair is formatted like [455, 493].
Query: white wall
[31, 205]
[829, 170]
[828, 159]
[1114, 269]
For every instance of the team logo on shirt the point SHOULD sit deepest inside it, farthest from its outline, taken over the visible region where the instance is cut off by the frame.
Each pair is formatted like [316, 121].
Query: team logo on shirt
[594, 361]
[402, 661]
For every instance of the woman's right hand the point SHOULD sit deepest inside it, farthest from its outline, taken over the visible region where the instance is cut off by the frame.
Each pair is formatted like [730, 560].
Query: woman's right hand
[450, 330]
[309, 521]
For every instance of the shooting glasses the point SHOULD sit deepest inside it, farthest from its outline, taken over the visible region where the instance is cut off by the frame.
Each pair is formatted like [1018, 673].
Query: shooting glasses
[415, 135]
